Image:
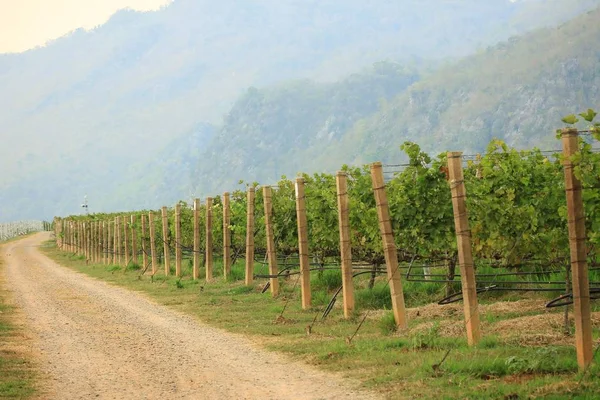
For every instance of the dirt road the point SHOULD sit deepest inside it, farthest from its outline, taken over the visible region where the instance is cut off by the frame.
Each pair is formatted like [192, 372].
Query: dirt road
[96, 341]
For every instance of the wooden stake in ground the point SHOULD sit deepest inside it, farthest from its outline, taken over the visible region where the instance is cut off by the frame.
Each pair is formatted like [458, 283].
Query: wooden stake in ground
[249, 279]
[74, 248]
[196, 272]
[134, 248]
[303, 244]
[577, 245]
[226, 237]
[143, 240]
[85, 241]
[74, 237]
[271, 252]
[116, 243]
[178, 253]
[209, 240]
[153, 252]
[345, 244]
[77, 228]
[463, 239]
[67, 236]
[93, 242]
[88, 239]
[83, 245]
[389, 246]
[104, 237]
[165, 231]
[126, 241]
[98, 248]
[110, 246]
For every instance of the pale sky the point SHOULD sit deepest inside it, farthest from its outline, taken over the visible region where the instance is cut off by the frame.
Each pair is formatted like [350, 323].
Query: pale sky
[28, 23]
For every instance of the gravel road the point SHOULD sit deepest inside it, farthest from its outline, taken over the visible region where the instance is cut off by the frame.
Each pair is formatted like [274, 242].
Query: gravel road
[97, 341]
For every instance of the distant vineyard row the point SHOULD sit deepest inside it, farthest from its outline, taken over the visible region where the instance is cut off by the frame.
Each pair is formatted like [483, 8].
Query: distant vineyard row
[10, 230]
[515, 199]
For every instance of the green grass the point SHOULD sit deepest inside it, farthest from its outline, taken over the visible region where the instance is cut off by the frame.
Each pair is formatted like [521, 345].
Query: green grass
[17, 376]
[397, 364]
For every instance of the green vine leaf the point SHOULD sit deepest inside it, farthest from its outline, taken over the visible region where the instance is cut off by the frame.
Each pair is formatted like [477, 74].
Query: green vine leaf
[570, 119]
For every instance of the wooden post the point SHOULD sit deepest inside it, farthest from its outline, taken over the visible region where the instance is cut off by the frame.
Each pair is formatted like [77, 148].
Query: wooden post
[86, 240]
[271, 252]
[389, 246]
[110, 246]
[196, 272]
[58, 227]
[98, 248]
[345, 244]
[463, 239]
[134, 248]
[250, 237]
[153, 243]
[303, 244]
[116, 243]
[91, 242]
[104, 243]
[165, 231]
[226, 237]
[209, 241]
[70, 227]
[60, 238]
[82, 249]
[79, 237]
[97, 242]
[101, 244]
[144, 241]
[126, 241]
[178, 254]
[577, 245]
[67, 235]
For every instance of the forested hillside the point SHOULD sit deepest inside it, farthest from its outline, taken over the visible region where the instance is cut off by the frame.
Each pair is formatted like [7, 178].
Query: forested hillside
[89, 111]
[268, 130]
[516, 91]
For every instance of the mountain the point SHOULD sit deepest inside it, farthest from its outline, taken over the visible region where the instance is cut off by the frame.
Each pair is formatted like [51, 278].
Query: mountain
[86, 111]
[267, 129]
[517, 91]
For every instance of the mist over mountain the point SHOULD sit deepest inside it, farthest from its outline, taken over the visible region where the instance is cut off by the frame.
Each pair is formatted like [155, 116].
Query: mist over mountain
[516, 91]
[125, 112]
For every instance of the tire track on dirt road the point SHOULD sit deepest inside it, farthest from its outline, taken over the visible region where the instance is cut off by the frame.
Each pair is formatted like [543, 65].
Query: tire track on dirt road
[103, 342]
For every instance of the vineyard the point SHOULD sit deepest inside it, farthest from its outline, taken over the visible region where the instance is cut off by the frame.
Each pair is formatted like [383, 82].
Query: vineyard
[11, 230]
[448, 228]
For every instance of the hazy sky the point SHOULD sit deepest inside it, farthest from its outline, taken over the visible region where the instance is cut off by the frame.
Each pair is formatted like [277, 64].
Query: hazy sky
[28, 23]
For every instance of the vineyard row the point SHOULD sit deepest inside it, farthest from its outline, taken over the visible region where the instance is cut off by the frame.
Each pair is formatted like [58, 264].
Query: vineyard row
[11, 230]
[517, 219]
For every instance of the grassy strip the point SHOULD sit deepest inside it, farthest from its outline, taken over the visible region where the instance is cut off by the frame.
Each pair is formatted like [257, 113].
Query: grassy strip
[397, 364]
[16, 373]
